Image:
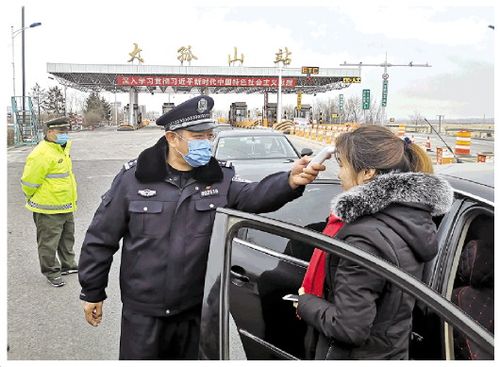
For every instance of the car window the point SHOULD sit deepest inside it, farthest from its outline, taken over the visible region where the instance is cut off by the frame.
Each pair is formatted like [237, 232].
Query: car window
[310, 210]
[254, 147]
[470, 286]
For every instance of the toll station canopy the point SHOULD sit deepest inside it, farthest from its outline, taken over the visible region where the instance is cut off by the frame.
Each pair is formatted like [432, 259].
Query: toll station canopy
[205, 79]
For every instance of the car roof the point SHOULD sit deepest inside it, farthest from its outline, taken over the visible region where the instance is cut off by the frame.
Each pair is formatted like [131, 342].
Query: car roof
[249, 132]
[471, 179]
[480, 173]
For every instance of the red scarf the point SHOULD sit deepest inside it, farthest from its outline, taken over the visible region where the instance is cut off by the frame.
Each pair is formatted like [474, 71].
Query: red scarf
[315, 274]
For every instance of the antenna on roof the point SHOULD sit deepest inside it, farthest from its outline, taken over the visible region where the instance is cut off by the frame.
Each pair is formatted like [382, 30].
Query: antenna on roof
[447, 146]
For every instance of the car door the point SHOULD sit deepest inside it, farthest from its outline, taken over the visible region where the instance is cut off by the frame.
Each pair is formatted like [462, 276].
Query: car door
[265, 267]
[274, 332]
[471, 218]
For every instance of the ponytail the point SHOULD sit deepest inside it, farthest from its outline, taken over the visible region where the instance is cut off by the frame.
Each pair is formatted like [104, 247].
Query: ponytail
[418, 159]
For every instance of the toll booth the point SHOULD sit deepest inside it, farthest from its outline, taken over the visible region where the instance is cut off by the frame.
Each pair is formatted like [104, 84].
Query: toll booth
[304, 114]
[167, 106]
[136, 115]
[271, 110]
[238, 112]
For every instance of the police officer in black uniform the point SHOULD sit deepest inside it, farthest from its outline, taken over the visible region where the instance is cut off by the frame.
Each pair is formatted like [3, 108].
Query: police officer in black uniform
[163, 206]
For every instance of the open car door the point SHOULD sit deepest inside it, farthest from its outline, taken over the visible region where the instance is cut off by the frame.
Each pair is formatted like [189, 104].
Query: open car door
[245, 283]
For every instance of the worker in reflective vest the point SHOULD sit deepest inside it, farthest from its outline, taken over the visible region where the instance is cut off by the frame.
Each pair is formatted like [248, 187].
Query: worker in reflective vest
[50, 189]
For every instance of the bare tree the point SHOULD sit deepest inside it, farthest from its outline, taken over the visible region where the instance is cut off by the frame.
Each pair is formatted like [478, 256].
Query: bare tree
[374, 114]
[353, 109]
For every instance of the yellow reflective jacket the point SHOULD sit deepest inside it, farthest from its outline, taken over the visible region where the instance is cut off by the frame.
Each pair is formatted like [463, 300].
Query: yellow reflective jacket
[48, 181]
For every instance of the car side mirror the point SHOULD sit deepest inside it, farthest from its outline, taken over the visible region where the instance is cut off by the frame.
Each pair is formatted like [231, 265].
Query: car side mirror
[306, 151]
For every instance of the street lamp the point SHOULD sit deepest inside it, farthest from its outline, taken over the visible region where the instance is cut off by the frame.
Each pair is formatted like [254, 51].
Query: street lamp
[13, 35]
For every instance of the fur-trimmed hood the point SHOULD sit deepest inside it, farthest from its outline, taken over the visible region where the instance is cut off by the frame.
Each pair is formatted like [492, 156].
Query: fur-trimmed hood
[408, 188]
[152, 166]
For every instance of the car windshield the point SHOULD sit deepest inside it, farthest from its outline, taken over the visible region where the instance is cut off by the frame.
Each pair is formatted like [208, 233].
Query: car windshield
[254, 147]
[219, 128]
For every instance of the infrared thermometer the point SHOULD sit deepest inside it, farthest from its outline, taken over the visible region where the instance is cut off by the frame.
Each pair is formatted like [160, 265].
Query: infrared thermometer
[323, 155]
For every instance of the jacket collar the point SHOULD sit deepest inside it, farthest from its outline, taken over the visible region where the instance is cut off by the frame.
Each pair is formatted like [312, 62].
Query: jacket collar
[152, 166]
[410, 188]
[58, 147]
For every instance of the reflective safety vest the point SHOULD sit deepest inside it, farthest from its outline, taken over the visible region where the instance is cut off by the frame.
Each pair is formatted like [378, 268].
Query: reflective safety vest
[48, 181]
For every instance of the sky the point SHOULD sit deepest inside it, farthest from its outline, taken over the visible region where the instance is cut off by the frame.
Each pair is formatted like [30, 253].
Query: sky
[453, 37]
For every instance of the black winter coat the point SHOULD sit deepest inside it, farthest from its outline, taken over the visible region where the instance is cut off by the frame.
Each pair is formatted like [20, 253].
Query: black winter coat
[166, 230]
[362, 315]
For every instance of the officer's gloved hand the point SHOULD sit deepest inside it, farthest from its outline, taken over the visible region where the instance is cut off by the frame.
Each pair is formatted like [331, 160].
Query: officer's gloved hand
[301, 175]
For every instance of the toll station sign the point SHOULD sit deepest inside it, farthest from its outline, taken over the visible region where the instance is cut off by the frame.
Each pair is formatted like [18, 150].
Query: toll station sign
[209, 81]
[310, 70]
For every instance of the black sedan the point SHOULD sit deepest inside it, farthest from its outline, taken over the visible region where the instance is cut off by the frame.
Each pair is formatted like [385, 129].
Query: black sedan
[255, 261]
[256, 153]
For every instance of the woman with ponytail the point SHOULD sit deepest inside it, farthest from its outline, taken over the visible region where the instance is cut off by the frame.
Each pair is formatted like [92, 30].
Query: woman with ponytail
[386, 209]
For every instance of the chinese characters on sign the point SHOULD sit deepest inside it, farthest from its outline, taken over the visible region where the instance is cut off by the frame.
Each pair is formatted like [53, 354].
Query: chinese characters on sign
[185, 54]
[299, 100]
[285, 59]
[136, 54]
[209, 81]
[366, 99]
[341, 103]
[235, 58]
[384, 93]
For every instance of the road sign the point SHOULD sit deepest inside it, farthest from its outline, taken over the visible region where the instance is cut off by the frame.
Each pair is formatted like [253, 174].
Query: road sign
[366, 99]
[384, 93]
[341, 103]
[351, 79]
[299, 100]
[310, 70]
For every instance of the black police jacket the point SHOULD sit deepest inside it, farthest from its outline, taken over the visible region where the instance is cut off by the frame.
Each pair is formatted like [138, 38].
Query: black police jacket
[166, 230]
[363, 316]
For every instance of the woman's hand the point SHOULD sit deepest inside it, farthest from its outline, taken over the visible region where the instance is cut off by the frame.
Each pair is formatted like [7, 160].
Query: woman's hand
[301, 292]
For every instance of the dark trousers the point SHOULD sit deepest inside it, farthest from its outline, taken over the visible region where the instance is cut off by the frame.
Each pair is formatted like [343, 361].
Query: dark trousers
[55, 238]
[151, 337]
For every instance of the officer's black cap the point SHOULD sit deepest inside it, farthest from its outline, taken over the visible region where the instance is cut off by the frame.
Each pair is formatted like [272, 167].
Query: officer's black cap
[58, 123]
[193, 115]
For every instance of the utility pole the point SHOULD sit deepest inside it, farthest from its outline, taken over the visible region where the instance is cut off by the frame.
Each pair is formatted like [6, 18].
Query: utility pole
[440, 117]
[385, 77]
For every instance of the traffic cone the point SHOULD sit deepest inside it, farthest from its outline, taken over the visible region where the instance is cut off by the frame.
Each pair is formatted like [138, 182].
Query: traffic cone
[428, 145]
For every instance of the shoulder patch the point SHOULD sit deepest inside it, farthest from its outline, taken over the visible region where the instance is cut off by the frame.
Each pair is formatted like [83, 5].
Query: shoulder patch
[130, 164]
[239, 179]
[108, 195]
[226, 164]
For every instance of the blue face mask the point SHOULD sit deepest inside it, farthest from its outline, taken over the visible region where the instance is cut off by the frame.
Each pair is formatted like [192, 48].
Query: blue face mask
[61, 139]
[199, 154]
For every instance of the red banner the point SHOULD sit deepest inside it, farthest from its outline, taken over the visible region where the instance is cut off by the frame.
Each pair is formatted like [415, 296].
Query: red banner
[203, 81]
